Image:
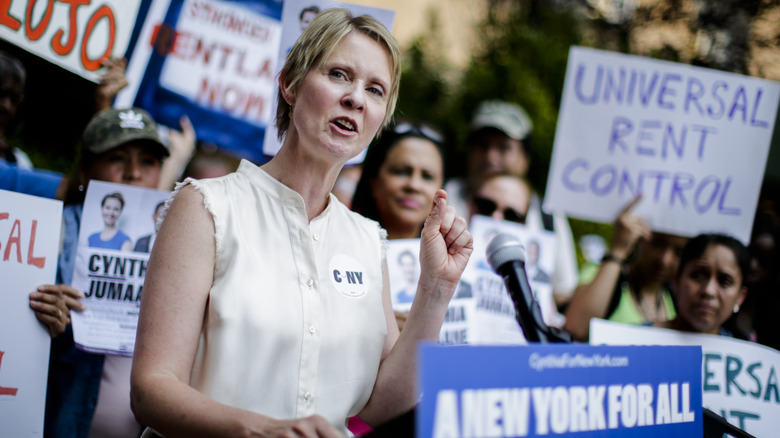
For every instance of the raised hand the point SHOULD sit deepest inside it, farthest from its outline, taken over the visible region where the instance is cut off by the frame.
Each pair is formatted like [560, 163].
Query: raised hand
[112, 81]
[445, 244]
[629, 228]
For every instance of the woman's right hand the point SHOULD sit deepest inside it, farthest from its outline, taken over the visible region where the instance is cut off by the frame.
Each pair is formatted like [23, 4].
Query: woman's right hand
[314, 426]
[52, 305]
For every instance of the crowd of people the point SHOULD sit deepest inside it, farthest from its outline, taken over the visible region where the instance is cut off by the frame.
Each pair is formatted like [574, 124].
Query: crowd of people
[255, 274]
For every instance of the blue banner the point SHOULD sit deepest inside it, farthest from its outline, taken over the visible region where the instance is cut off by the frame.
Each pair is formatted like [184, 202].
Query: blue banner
[561, 389]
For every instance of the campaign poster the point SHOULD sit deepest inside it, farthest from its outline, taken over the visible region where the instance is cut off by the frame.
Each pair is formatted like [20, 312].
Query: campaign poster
[739, 378]
[494, 318]
[567, 390]
[29, 240]
[296, 15]
[213, 60]
[403, 268]
[692, 141]
[117, 233]
[74, 35]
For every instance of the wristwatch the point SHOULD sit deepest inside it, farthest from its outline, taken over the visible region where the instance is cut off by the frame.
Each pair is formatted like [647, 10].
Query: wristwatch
[609, 257]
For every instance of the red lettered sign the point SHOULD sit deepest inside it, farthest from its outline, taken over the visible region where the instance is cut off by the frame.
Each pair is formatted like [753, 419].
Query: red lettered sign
[29, 240]
[74, 34]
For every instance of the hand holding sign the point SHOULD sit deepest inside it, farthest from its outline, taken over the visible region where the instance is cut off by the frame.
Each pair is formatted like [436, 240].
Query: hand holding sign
[52, 305]
[112, 81]
[629, 228]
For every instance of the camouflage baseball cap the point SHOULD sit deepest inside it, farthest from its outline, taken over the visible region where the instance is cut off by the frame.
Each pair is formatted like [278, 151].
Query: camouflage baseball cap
[114, 127]
[508, 118]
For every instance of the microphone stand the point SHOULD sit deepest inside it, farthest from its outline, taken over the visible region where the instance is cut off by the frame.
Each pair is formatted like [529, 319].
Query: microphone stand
[529, 317]
[716, 426]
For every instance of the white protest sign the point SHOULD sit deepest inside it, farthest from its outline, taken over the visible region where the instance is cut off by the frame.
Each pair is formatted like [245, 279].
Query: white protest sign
[73, 35]
[29, 238]
[115, 237]
[482, 311]
[740, 379]
[294, 20]
[693, 141]
[220, 63]
[212, 60]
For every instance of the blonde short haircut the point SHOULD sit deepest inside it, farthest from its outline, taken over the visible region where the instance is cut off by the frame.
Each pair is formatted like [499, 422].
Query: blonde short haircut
[316, 44]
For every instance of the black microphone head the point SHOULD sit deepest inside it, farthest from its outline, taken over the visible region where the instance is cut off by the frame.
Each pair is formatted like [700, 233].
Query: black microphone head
[504, 248]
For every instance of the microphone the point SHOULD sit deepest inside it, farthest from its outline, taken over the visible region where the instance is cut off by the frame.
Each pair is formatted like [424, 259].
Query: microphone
[506, 255]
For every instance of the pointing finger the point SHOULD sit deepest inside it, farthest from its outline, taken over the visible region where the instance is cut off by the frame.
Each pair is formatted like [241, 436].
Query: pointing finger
[631, 204]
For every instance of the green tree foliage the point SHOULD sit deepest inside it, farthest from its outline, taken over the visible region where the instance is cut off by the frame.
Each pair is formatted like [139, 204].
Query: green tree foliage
[520, 57]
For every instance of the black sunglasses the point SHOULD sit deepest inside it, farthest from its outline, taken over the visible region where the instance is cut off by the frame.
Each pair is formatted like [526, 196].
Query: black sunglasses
[406, 128]
[486, 207]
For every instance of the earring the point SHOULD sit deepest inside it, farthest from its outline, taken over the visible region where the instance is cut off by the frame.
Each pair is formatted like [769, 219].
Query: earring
[81, 187]
[736, 308]
[290, 114]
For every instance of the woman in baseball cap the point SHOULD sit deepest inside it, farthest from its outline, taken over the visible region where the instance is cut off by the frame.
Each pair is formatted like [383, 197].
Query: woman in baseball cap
[89, 394]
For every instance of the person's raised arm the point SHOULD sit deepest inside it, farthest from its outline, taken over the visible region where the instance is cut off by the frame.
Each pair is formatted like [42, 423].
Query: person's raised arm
[112, 81]
[182, 147]
[591, 300]
[176, 291]
[445, 248]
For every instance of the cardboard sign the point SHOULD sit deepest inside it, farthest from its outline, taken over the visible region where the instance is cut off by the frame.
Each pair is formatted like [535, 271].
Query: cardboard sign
[29, 239]
[740, 379]
[115, 239]
[692, 141]
[73, 35]
[559, 389]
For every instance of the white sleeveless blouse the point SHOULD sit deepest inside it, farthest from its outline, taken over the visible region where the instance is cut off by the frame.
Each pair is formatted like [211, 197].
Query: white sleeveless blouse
[295, 323]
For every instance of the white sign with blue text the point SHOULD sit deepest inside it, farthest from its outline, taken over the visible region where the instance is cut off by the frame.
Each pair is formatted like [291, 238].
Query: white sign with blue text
[559, 389]
[693, 141]
[740, 379]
